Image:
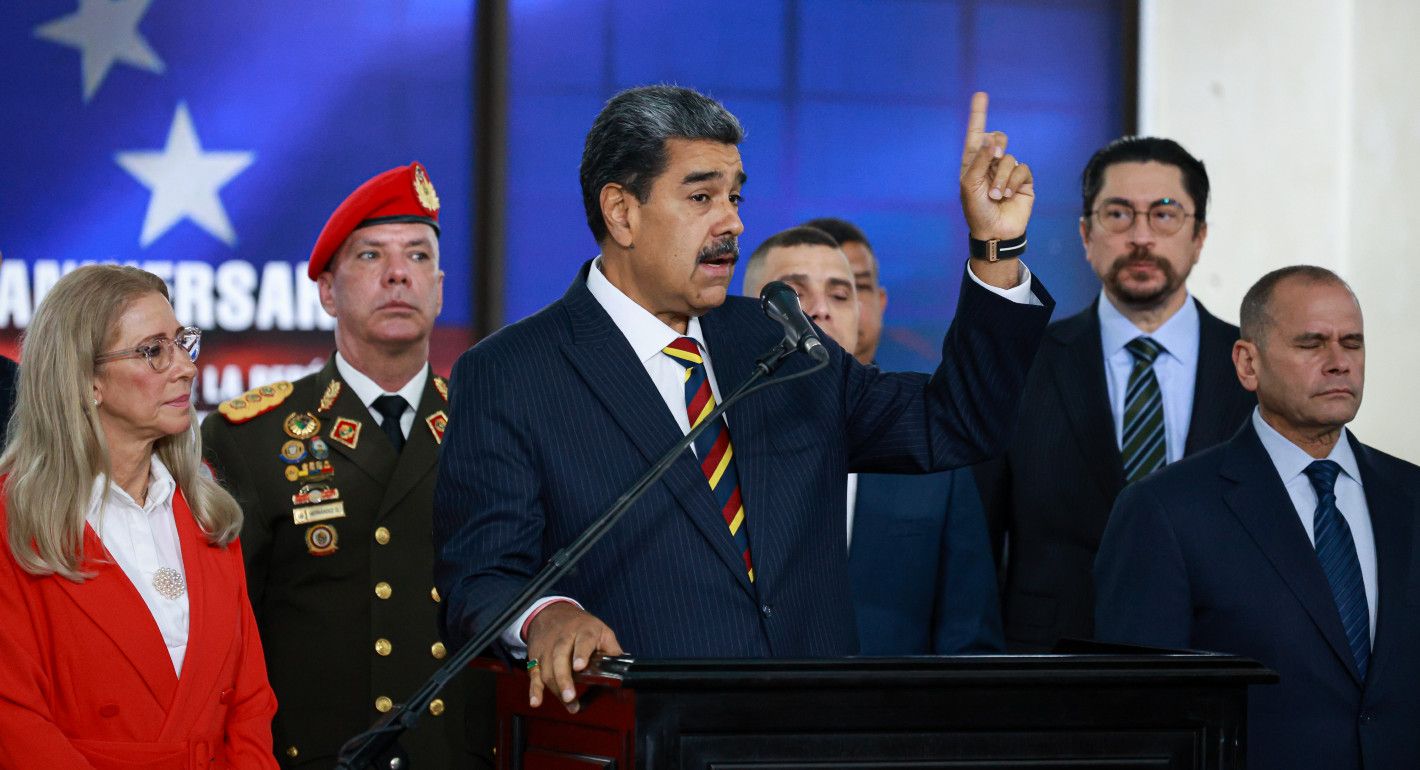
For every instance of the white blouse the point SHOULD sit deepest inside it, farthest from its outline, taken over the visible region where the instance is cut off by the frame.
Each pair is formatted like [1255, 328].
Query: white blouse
[143, 539]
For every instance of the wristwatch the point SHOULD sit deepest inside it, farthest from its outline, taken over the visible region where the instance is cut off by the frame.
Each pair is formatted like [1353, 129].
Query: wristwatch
[996, 249]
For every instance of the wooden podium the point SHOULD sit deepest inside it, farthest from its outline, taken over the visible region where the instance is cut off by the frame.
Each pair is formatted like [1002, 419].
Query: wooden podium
[1042, 712]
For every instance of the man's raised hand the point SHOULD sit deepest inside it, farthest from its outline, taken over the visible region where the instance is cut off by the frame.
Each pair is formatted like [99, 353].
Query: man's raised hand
[997, 191]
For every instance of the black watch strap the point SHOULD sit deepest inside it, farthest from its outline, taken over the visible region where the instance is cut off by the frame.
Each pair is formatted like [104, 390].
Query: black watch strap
[996, 250]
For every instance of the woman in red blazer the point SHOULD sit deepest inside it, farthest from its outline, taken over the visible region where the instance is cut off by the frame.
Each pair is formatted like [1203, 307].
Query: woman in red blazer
[127, 637]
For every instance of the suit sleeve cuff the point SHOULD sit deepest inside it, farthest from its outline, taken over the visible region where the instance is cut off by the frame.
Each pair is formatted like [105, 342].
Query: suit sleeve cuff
[1020, 294]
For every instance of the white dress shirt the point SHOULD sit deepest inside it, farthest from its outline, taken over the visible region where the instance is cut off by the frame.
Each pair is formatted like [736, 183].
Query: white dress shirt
[648, 336]
[1176, 368]
[143, 539]
[367, 390]
[1291, 462]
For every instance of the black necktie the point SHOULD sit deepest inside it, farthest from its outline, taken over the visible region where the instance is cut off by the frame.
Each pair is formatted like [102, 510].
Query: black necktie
[391, 408]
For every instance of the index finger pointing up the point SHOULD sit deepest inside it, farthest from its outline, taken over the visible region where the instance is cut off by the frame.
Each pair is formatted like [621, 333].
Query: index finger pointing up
[975, 127]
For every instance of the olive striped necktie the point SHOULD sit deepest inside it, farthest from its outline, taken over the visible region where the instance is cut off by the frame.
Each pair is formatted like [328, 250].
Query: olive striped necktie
[1143, 447]
[713, 447]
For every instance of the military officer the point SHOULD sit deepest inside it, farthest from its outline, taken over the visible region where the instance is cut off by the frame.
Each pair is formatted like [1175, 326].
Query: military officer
[335, 473]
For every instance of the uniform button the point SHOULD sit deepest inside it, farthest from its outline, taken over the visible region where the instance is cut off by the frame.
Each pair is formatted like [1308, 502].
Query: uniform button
[383, 590]
[766, 610]
[382, 535]
[438, 651]
[383, 704]
[434, 594]
[293, 752]
[383, 646]
[436, 706]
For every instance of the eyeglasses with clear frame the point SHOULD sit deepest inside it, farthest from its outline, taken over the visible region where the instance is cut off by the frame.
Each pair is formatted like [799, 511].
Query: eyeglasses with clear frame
[159, 351]
[1165, 216]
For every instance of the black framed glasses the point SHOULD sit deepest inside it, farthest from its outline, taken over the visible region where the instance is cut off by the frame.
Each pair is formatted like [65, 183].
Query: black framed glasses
[1165, 216]
[160, 351]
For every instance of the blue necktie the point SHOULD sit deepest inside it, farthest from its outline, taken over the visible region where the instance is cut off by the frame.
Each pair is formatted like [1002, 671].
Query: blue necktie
[1143, 448]
[1337, 553]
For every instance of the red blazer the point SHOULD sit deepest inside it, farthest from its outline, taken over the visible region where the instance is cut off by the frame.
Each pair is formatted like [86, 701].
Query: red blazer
[86, 680]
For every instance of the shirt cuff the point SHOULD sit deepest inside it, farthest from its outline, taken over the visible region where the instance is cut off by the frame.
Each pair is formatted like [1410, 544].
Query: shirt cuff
[1019, 294]
[512, 636]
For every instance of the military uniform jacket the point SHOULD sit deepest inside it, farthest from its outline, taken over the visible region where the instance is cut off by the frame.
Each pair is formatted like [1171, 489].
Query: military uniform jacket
[339, 558]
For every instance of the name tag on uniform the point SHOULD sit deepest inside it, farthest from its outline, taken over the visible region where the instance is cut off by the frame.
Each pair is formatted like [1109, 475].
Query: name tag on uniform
[312, 513]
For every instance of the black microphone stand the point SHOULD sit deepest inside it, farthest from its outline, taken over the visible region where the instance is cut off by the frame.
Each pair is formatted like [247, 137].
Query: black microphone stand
[379, 748]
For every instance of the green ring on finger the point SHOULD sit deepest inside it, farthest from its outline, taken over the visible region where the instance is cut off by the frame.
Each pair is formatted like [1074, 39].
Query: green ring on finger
[532, 663]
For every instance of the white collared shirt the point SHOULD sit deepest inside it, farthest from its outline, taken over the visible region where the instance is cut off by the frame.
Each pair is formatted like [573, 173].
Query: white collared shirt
[367, 390]
[1176, 368]
[649, 336]
[1291, 462]
[143, 539]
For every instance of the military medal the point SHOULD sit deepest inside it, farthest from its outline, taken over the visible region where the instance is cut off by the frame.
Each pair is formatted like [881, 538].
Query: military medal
[321, 539]
[346, 431]
[168, 583]
[437, 422]
[292, 473]
[327, 399]
[301, 425]
[311, 494]
[441, 385]
[293, 451]
[319, 449]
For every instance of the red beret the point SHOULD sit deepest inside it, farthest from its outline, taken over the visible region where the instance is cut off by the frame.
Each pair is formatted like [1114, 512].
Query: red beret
[401, 194]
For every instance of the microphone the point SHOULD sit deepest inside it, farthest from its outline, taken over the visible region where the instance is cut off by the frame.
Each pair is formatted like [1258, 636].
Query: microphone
[781, 303]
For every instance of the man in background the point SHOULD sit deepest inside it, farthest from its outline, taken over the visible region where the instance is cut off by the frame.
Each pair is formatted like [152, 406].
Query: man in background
[923, 578]
[1138, 379]
[1293, 544]
[335, 474]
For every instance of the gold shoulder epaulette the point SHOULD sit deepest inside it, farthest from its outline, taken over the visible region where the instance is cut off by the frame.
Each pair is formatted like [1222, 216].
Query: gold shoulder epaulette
[255, 402]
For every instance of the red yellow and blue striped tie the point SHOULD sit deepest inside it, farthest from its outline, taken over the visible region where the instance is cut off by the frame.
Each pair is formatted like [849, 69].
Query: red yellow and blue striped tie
[713, 447]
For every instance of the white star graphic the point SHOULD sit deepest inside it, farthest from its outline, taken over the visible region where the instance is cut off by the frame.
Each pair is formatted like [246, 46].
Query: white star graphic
[105, 32]
[184, 181]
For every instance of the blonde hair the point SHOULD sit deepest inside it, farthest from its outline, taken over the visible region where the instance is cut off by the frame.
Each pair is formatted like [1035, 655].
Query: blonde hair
[55, 445]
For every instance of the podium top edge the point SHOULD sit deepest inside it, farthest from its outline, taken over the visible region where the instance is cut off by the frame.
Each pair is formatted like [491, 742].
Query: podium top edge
[1181, 667]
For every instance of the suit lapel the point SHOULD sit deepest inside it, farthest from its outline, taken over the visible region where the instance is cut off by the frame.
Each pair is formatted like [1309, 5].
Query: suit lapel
[1261, 503]
[1078, 373]
[606, 363]
[1393, 512]
[1206, 425]
[115, 606]
[421, 448]
[733, 366]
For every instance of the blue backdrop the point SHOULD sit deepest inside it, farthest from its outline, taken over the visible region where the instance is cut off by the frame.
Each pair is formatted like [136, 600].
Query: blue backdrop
[208, 141]
[854, 108]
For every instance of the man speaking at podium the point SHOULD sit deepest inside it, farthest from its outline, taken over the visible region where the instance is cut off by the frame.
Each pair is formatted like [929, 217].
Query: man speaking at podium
[739, 550]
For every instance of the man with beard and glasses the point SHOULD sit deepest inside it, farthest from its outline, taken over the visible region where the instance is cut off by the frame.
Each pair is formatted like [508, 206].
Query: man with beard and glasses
[1140, 378]
[738, 551]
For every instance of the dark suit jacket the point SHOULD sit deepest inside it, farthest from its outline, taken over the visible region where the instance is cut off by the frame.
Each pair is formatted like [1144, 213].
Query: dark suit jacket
[318, 611]
[1048, 499]
[924, 580]
[1209, 554]
[553, 417]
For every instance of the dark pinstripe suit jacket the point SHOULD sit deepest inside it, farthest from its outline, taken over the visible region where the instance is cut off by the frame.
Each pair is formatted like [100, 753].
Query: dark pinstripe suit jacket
[553, 417]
